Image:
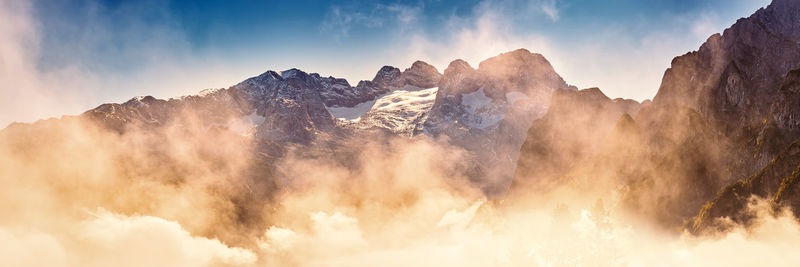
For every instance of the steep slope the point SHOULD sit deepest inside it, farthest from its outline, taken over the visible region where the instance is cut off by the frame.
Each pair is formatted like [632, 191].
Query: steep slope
[769, 63]
[776, 182]
[732, 80]
[721, 113]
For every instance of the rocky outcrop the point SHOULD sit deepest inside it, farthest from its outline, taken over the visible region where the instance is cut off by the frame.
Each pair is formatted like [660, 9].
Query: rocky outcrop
[742, 85]
[777, 182]
[734, 78]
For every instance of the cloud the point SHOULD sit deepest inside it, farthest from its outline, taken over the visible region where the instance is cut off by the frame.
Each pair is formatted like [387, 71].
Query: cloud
[621, 59]
[151, 241]
[26, 94]
[341, 20]
[52, 65]
[550, 9]
[115, 240]
[472, 40]
[706, 24]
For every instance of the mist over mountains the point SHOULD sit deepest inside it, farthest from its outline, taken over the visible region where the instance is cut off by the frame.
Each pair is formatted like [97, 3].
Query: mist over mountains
[292, 168]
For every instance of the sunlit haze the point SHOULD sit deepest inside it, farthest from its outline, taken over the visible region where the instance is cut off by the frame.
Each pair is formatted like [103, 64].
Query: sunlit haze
[400, 133]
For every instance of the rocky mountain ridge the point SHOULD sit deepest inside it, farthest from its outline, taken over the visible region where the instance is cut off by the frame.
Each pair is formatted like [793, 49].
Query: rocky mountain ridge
[721, 114]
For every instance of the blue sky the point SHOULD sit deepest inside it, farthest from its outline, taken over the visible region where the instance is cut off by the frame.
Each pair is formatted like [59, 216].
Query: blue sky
[74, 55]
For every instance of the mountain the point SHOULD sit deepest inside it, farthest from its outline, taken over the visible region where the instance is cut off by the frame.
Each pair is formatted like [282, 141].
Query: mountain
[723, 127]
[485, 111]
[290, 106]
[733, 79]
[777, 180]
[405, 102]
[761, 55]
[568, 135]
[721, 114]
[488, 110]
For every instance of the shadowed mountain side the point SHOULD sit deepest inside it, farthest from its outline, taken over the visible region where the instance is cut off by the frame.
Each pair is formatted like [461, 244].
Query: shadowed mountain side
[734, 78]
[776, 182]
[572, 130]
[781, 126]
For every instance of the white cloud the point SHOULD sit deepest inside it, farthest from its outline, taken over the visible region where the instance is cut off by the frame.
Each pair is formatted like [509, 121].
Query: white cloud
[157, 59]
[341, 20]
[705, 25]
[151, 241]
[115, 240]
[550, 9]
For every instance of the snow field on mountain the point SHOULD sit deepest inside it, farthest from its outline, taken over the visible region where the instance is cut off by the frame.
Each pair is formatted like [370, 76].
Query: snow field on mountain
[408, 98]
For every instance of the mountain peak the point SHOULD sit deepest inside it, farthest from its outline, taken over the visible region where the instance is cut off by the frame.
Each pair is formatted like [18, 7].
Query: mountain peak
[513, 60]
[421, 64]
[422, 75]
[387, 76]
[293, 73]
[457, 66]
[733, 77]
[781, 17]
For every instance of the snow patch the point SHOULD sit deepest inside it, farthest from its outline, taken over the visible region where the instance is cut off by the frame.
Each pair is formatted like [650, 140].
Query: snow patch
[406, 99]
[400, 97]
[208, 91]
[410, 88]
[351, 113]
[289, 73]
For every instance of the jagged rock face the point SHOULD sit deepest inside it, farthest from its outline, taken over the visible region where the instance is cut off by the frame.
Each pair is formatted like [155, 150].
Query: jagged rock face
[291, 103]
[786, 108]
[338, 92]
[290, 106]
[722, 113]
[488, 110]
[212, 106]
[734, 77]
[777, 182]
